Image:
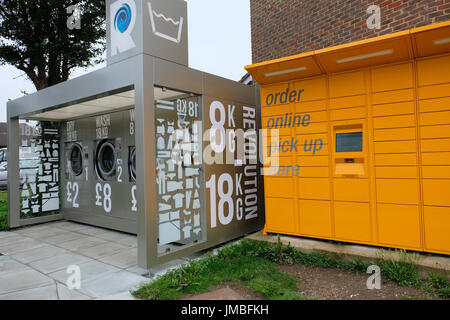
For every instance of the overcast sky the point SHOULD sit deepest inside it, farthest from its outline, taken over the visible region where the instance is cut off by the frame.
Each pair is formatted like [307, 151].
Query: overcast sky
[219, 43]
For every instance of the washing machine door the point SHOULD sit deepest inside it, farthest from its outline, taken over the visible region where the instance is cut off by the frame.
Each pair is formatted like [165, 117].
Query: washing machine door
[132, 164]
[76, 160]
[106, 160]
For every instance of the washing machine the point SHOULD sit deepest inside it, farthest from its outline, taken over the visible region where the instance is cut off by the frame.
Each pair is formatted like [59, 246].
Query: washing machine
[114, 186]
[76, 165]
[100, 169]
[130, 183]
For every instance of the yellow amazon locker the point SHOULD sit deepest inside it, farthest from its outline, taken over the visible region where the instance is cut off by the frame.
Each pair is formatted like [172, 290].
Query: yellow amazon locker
[372, 141]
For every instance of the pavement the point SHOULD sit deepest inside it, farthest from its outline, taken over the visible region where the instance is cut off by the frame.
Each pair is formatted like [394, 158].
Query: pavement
[34, 263]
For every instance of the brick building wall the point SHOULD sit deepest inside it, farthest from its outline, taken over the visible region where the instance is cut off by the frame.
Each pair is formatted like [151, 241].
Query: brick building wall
[282, 28]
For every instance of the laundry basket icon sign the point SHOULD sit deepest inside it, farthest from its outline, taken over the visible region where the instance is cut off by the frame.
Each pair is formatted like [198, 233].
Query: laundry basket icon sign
[166, 28]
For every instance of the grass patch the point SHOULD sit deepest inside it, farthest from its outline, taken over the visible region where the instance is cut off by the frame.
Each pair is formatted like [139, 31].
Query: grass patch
[403, 271]
[236, 264]
[4, 210]
[441, 285]
[254, 264]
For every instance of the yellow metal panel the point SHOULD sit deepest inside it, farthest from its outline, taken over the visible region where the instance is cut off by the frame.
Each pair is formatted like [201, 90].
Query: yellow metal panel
[435, 145]
[348, 102]
[395, 146]
[436, 172]
[314, 89]
[436, 159]
[275, 111]
[273, 89]
[394, 134]
[313, 128]
[436, 192]
[392, 109]
[393, 154]
[436, 91]
[303, 66]
[281, 131]
[279, 187]
[435, 70]
[397, 191]
[437, 228]
[339, 84]
[285, 161]
[309, 106]
[312, 148]
[308, 150]
[351, 113]
[351, 189]
[439, 104]
[393, 96]
[314, 172]
[315, 218]
[394, 122]
[392, 77]
[431, 132]
[352, 221]
[361, 54]
[433, 118]
[425, 37]
[306, 138]
[317, 116]
[317, 161]
[314, 188]
[402, 172]
[280, 215]
[399, 225]
[349, 169]
[401, 159]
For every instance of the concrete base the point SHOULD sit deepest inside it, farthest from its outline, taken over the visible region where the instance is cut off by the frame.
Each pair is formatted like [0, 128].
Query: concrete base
[425, 262]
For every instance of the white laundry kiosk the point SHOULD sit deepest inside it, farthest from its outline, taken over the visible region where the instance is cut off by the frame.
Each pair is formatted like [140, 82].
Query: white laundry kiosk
[145, 145]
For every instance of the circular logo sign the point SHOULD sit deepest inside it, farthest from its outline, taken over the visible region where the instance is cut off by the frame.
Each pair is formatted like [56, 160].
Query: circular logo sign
[122, 19]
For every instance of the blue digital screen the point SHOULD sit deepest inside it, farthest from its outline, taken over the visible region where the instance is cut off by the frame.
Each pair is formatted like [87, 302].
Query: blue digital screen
[349, 142]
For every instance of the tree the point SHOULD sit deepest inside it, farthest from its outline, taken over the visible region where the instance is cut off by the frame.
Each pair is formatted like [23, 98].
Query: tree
[36, 38]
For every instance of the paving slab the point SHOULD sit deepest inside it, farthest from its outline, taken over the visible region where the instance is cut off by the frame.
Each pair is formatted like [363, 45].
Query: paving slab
[112, 284]
[8, 265]
[41, 233]
[46, 251]
[61, 238]
[124, 259]
[90, 270]
[40, 293]
[21, 245]
[23, 280]
[59, 262]
[139, 271]
[12, 239]
[102, 250]
[82, 243]
[68, 226]
[120, 296]
[91, 231]
[121, 238]
[6, 234]
[65, 293]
